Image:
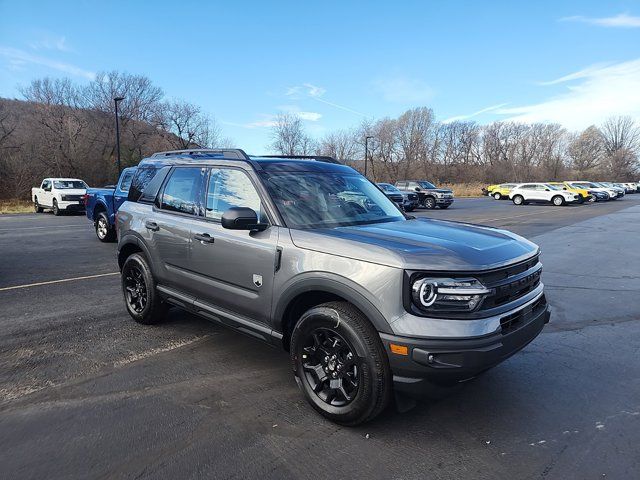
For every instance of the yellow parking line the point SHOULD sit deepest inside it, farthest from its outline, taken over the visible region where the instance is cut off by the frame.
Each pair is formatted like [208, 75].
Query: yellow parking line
[62, 280]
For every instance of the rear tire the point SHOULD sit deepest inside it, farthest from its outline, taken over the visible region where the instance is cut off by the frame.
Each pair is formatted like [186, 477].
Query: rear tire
[36, 206]
[139, 288]
[518, 200]
[56, 211]
[104, 231]
[340, 364]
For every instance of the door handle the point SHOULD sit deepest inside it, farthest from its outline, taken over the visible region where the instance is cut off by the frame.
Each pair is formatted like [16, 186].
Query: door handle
[204, 238]
[153, 226]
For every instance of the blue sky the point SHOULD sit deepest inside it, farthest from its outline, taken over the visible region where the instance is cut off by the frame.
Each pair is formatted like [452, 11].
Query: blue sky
[336, 63]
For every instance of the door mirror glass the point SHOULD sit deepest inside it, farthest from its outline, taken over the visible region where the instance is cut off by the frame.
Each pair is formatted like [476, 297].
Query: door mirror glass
[241, 218]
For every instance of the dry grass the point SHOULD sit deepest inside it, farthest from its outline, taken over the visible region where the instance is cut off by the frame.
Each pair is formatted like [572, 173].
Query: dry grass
[465, 189]
[15, 206]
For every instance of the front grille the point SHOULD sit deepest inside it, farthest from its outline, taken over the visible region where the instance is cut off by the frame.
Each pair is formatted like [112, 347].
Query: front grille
[413, 196]
[511, 283]
[396, 198]
[521, 317]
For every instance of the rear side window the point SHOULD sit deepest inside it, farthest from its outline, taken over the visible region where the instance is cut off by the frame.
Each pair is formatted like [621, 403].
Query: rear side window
[146, 183]
[182, 190]
[125, 184]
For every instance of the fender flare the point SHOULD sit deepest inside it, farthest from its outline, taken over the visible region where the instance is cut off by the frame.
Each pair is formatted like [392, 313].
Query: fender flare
[133, 239]
[333, 284]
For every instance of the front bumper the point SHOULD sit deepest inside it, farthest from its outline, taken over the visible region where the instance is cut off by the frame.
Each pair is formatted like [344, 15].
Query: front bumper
[444, 201]
[435, 361]
[71, 206]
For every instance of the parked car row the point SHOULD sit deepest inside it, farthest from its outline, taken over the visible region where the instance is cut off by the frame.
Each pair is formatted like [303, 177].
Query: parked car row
[418, 193]
[560, 193]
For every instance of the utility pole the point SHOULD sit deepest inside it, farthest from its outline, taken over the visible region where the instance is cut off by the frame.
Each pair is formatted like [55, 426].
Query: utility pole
[116, 100]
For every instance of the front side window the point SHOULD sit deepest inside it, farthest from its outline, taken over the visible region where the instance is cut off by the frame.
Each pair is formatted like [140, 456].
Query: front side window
[231, 188]
[46, 184]
[329, 199]
[182, 191]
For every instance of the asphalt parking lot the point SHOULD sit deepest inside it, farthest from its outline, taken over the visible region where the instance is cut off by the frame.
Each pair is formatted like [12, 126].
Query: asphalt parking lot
[85, 392]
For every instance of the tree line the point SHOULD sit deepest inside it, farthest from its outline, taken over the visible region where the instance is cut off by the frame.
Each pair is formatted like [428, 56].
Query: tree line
[415, 145]
[60, 128]
[64, 129]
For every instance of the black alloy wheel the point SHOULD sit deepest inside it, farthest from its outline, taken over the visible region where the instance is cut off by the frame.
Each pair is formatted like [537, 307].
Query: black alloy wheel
[135, 288]
[331, 367]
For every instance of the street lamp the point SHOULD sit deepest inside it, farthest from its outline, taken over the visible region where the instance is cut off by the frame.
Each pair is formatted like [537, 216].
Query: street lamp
[116, 100]
[366, 152]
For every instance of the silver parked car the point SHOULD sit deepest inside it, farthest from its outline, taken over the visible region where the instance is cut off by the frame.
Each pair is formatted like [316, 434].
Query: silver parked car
[311, 256]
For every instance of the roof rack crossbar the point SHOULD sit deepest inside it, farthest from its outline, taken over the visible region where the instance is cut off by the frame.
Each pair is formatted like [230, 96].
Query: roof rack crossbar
[235, 153]
[317, 158]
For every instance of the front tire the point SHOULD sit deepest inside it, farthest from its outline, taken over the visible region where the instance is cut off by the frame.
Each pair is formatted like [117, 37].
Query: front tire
[139, 288]
[56, 210]
[497, 196]
[429, 203]
[104, 231]
[558, 201]
[518, 200]
[340, 364]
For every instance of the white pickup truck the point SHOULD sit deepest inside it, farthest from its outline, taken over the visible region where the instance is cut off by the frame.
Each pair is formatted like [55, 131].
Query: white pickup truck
[59, 195]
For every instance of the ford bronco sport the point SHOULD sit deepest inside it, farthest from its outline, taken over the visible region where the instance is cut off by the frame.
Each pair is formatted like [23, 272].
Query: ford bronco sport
[309, 255]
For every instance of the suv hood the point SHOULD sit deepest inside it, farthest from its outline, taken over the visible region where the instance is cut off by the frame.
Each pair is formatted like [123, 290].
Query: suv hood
[420, 244]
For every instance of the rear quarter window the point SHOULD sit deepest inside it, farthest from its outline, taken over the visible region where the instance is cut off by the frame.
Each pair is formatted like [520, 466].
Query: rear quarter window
[146, 183]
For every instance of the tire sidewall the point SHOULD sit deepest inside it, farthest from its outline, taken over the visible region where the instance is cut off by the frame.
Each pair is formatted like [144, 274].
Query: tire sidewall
[429, 203]
[556, 203]
[497, 196]
[325, 317]
[518, 200]
[56, 209]
[147, 314]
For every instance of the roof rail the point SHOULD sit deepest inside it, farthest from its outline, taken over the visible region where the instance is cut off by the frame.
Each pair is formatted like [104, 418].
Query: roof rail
[317, 158]
[234, 153]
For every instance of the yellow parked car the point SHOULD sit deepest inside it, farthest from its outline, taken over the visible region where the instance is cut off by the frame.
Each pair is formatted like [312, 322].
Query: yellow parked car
[582, 192]
[488, 189]
[501, 192]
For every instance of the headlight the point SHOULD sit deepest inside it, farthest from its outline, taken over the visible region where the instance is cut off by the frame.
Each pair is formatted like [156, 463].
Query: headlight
[439, 194]
[63, 198]
[448, 294]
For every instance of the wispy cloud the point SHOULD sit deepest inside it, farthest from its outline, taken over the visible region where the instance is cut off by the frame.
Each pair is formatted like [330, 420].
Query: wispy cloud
[474, 114]
[50, 42]
[590, 96]
[402, 89]
[314, 92]
[16, 56]
[622, 20]
[309, 116]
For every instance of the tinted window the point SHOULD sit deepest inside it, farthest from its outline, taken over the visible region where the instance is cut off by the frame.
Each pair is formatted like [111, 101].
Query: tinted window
[46, 184]
[231, 188]
[126, 181]
[427, 185]
[69, 184]
[182, 191]
[146, 182]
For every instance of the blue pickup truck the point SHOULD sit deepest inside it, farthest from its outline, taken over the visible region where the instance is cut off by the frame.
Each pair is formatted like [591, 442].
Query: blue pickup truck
[101, 205]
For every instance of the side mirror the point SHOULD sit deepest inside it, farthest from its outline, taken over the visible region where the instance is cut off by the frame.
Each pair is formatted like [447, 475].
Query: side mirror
[547, 189]
[242, 218]
[564, 188]
[417, 189]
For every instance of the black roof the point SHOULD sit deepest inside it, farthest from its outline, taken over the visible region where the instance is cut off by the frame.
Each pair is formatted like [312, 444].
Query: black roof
[268, 163]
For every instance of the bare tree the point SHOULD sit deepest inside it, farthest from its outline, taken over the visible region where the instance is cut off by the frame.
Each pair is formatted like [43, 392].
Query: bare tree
[187, 126]
[288, 136]
[586, 150]
[340, 144]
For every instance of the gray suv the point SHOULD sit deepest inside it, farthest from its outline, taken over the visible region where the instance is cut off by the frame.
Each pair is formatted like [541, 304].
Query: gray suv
[309, 255]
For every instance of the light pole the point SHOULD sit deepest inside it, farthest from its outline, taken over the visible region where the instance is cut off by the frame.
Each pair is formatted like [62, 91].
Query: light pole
[366, 152]
[116, 100]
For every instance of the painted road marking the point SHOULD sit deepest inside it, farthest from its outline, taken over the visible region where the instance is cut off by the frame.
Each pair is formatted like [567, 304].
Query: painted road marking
[37, 228]
[62, 280]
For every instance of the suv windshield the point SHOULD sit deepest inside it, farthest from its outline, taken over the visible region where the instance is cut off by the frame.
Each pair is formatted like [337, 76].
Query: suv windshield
[68, 184]
[427, 185]
[387, 187]
[319, 200]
